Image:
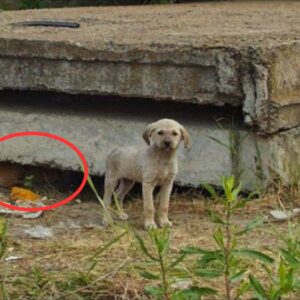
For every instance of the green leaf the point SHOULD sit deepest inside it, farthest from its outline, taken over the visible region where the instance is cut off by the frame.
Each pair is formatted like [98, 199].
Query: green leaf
[161, 238]
[176, 261]
[197, 250]
[238, 276]
[228, 186]
[3, 292]
[286, 277]
[253, 195]
[209, 273]
[254, 254]
[154, 291]
[297, 284]
[251, 225]
[241, 203]
[258, 288]
[193, 293]
[236, 192]
[149, 275]
[219, 237]
[242, 289]
[210, 257]
[282, 272]
[143, 247]
[110, 243]
[290, 258]
[216, 218]
[3, 236]
[211, 190]
[289, 281]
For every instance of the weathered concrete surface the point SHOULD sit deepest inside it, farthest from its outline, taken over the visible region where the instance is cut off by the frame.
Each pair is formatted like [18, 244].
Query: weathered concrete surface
[240, 53]
[99, 127]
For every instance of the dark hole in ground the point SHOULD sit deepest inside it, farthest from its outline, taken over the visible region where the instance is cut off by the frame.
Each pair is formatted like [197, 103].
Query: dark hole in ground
[54, 183]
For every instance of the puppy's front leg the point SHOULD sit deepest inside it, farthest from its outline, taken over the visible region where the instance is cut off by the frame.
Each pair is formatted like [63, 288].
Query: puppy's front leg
[164, 198]
[149, 222]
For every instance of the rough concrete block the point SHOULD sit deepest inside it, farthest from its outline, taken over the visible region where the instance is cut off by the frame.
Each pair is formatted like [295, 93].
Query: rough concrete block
[179, 53]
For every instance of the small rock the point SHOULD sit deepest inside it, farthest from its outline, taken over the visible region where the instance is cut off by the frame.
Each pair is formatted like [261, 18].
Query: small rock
[284, 215]
[182, 284]
[34, 215]
[39, 232]
[11, 258]
[68, 224]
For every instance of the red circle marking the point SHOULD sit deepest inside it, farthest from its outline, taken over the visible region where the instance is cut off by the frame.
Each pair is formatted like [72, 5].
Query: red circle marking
[70, 145]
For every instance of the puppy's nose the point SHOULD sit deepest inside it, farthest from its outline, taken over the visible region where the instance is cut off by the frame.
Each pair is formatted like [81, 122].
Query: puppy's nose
[167, 144]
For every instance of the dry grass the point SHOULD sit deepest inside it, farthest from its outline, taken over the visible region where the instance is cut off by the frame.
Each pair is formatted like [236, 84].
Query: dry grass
[58, 268]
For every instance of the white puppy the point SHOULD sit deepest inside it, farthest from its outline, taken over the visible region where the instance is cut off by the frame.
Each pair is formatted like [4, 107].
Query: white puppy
[152, 165]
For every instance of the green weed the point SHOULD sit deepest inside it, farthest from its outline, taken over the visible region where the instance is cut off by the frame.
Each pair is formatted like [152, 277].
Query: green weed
[228, 259]
[168, 271]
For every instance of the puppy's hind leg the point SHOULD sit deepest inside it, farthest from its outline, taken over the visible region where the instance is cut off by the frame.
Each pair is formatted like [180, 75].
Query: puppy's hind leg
[124, 187]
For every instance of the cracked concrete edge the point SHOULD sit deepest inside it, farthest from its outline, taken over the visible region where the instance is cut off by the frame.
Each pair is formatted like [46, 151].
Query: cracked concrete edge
[271, 85]
[264, 81]
[286, 145]
[198, 76]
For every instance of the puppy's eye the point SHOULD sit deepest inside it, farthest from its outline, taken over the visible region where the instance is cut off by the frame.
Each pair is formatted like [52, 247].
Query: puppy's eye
[174, 133]
[160, 132]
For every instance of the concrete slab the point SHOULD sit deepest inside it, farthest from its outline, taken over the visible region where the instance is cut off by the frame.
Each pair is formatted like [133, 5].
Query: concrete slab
[99, 127]
[239, 53]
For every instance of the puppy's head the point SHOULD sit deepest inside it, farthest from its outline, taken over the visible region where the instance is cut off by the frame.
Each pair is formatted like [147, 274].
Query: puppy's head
[166, 134]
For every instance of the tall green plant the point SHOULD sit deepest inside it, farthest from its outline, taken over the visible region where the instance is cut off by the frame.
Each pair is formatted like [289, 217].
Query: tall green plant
[284, 277]
[3, 246]
[3, 236]
[168, 270]
[228, 259]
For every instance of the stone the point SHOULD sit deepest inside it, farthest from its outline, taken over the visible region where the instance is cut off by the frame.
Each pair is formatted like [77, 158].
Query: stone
[39, 232]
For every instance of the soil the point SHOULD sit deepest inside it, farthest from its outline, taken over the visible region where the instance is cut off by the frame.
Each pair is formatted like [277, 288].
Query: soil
[54, 268]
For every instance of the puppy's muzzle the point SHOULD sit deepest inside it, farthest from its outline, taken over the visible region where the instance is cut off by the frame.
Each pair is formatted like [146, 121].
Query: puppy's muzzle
[167, 144]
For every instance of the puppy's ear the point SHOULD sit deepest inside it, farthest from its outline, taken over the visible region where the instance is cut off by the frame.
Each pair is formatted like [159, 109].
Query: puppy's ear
[147, 133]
[185, 137]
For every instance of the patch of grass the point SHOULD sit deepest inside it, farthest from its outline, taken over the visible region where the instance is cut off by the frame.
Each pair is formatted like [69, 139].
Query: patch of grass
[3, 246]
[102, 263]
[3, 237]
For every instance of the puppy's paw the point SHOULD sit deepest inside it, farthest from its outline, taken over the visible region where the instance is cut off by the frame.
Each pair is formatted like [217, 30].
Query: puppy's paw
[150, 225]
[165, 223]
[123, 216]
[106, 222]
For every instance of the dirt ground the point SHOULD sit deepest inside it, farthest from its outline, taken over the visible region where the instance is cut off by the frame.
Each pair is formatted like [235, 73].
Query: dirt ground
[58, 267]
